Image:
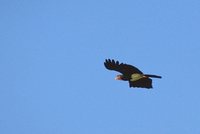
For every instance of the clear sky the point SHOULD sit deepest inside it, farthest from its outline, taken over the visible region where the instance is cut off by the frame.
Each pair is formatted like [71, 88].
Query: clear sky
[52, 77]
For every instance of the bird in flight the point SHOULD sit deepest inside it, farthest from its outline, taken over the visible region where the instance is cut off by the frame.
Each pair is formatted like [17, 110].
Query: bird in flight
[129, 73]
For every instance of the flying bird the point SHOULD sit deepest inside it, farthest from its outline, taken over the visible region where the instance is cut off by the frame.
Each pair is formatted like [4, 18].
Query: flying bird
[129, 73]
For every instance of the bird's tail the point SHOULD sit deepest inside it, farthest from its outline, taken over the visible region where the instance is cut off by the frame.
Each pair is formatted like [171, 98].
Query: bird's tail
[152, 76]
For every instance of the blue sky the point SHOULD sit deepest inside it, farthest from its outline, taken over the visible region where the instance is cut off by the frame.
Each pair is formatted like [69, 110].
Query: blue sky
[52, 78]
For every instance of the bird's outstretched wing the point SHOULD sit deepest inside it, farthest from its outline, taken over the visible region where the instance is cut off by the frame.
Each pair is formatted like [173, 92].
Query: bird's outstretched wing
[125, 69]
[143, 83]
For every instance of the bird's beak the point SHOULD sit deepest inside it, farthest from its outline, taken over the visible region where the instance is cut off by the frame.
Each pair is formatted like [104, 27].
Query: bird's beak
[117, 78]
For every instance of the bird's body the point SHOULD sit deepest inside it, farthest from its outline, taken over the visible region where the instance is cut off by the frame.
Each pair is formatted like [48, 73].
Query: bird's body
[133, 75]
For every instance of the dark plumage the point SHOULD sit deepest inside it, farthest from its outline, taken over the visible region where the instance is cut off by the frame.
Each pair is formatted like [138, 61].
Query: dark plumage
[130, 73]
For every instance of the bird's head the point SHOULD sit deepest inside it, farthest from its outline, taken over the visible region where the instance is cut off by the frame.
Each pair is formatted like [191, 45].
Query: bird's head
[119, 77]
